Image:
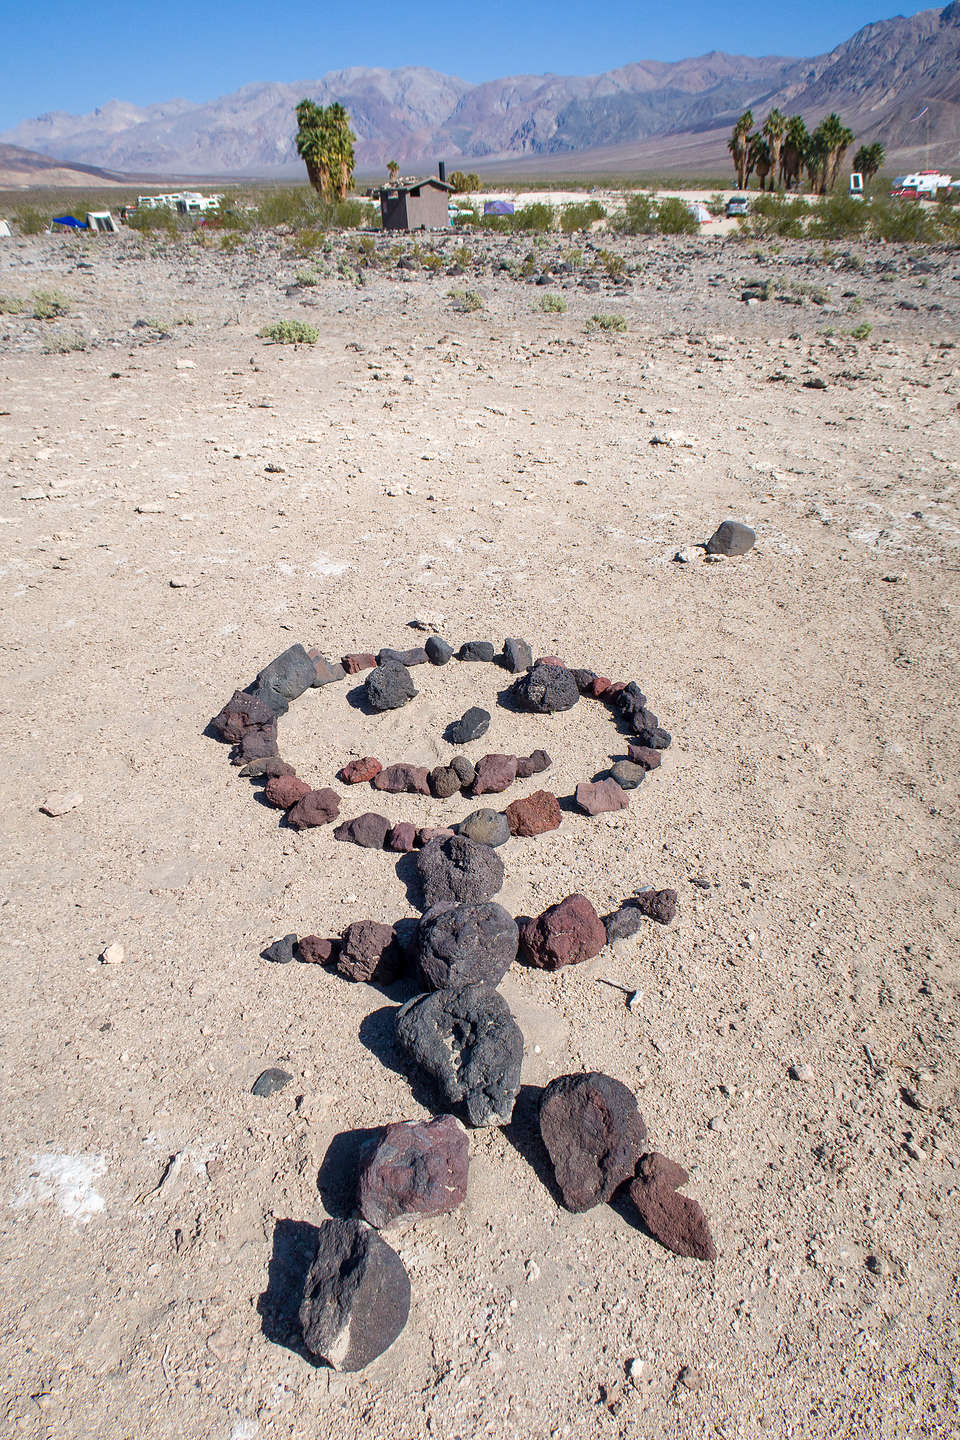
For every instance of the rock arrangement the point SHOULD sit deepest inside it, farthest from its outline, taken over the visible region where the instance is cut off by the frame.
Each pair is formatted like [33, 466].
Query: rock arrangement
[458, 1037]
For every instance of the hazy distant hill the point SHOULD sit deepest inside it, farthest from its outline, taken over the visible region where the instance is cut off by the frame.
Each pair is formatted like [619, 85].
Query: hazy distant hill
[645, 115]
[22, 169]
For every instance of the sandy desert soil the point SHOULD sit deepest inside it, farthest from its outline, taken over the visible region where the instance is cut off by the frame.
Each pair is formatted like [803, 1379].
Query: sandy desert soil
[503, 472]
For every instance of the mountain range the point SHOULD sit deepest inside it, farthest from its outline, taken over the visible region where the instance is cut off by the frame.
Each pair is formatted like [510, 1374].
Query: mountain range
[897, 81]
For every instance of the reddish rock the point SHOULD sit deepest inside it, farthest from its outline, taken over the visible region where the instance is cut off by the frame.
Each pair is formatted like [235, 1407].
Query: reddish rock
[369, 951]
[242, 712]
[565, 934]
[418, 1168]
[614, 690]
[674, 1219]
[257, 743]
[495, 773]
[594, 1134]
[533, 764]
[434, 832]
[369, 830]
[315, 950]
[356, 771]
[403, 779]
[599, 685]
[353, 664]
[659, 905]
[536, 815]
[318, 807]
[284, 791]
[328, 671]
[403, 837]
[645, 755]
[598, 796]
[552, 660]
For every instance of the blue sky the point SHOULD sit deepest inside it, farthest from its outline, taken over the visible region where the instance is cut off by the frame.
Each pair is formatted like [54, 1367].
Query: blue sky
[70, 55]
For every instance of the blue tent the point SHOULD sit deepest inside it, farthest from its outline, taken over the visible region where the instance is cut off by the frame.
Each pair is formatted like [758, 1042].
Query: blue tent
[498, 207]
[70, 220]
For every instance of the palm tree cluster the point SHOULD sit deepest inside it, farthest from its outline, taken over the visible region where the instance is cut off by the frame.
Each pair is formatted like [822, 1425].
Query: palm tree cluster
[325, 145]
[783, 148]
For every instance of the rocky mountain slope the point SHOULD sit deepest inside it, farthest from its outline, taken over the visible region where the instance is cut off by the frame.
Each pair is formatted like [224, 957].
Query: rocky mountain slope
[22, 169]
[878, 80]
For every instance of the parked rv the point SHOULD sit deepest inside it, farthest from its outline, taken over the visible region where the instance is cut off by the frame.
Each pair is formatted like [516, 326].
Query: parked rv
[923, 185]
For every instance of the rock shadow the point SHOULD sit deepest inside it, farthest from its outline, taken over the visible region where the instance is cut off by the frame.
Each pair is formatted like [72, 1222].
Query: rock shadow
[523, 1132]
[409, 877]
[339, 1173]
[294, 1246]
[357, 700]
[378, 1034]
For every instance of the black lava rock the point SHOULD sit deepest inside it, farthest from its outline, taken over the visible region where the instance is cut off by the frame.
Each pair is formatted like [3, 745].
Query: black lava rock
[416, 656]
[269, 1082]
[285, 679]
[476, 650]
[546, 688]
[388, 687]
[655, 739]
[356, 1298]
[469, 1044]
[517, 655]
[627, 775]
[631, 703]
[281, 951]
[731, 538]
[438, 651]
[487, 827]
[457, 871]
[470, 726]
[466, 945]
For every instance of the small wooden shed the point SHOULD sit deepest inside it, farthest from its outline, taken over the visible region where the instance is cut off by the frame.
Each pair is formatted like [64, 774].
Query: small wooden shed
[417, 205]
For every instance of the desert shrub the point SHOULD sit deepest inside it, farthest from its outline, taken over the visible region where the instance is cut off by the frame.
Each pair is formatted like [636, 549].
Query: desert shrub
[227, 216]
[716, 204]
[580, 216]
[300, 209]
[12, 305]
[465, 301]
[306, 278]
[463, 255]
[552, 304]
[431, 261]
[231, 243]
[50, 304]
[154, 222]
[290, 332]
[839, 216]
[468, 218]
[863, 331]
[903, 220]
[775, 215]
[674, 217]
[639, 215]
[609, 324]
[614, 265]
[30, 220]
[575, 257]
[528, 220]
[64, 345]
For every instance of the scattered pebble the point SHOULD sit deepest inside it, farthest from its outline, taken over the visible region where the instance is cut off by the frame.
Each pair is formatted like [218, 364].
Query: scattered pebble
[732, 537]
[802, 1072]
[471, 725]
[270, 1081]
[61, 802]
[114, 954]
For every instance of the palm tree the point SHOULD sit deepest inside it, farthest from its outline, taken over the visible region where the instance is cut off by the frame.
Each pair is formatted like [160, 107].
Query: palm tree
[325, 145]
[869, 159]
[393, 171]
[774, 129]
[831, 140]
[816, 160]
[793, 153]
[738, 147]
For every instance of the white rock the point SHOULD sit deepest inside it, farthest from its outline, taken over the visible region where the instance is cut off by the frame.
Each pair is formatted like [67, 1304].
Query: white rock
[151, 507]
[114, 954]
[61, 802]
[186, 364]
[689, 554]
[803, 1072]
[34, 495]
[180, 582]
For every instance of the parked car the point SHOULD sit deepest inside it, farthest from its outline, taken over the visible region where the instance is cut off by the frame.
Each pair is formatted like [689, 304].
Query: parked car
[738, 205]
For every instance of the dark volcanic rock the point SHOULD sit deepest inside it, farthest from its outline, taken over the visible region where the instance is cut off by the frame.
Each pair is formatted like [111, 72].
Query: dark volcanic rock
[355, 772]
[487, 827]
[597, 796]
[731, 538]
[315, 950]
[654, 739]
[369, 830]
[285, 678]
[630, 702]
[474, 723]
[353, 664]
[438, 651]
[416, 656]
[284, 791]
[623, 923]
[281, 951]
[402, 837]
[476, 650]
[388, 687]
[533, 764]
[419, 1168]
[469, 1044]
[242, 712]
[535, 815]
[627, 775]
[645, 755]
[369, 951]
[517, 655]
[565, 934]
[495, 773]
[328, 672]
[444, 782]
[595, 1135]
[545, 689]
[257, 743]
[356, 1298]
[464, 769]
[675, 1220]
[458, 871]
[267, 767]
[318, 807]
[584, 680]
[270, 1081]
[659, 905]
[403, 780]
[466, 944]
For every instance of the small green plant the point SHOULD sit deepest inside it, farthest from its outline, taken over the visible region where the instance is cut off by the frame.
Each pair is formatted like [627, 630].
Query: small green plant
[552, 304]
[30, 220]
[306, 278]
[613, 264]
[839, 216]
[581, 216]
[465, 301]
[608, 324]
[64, 345]
[639, 215]
[863, 331]
[11, 305]
[575, 257]
[431, 261]
[674, 217]
[290, 332]
[159, 221]
[231, 243]
[463, 255]
[50, 304]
